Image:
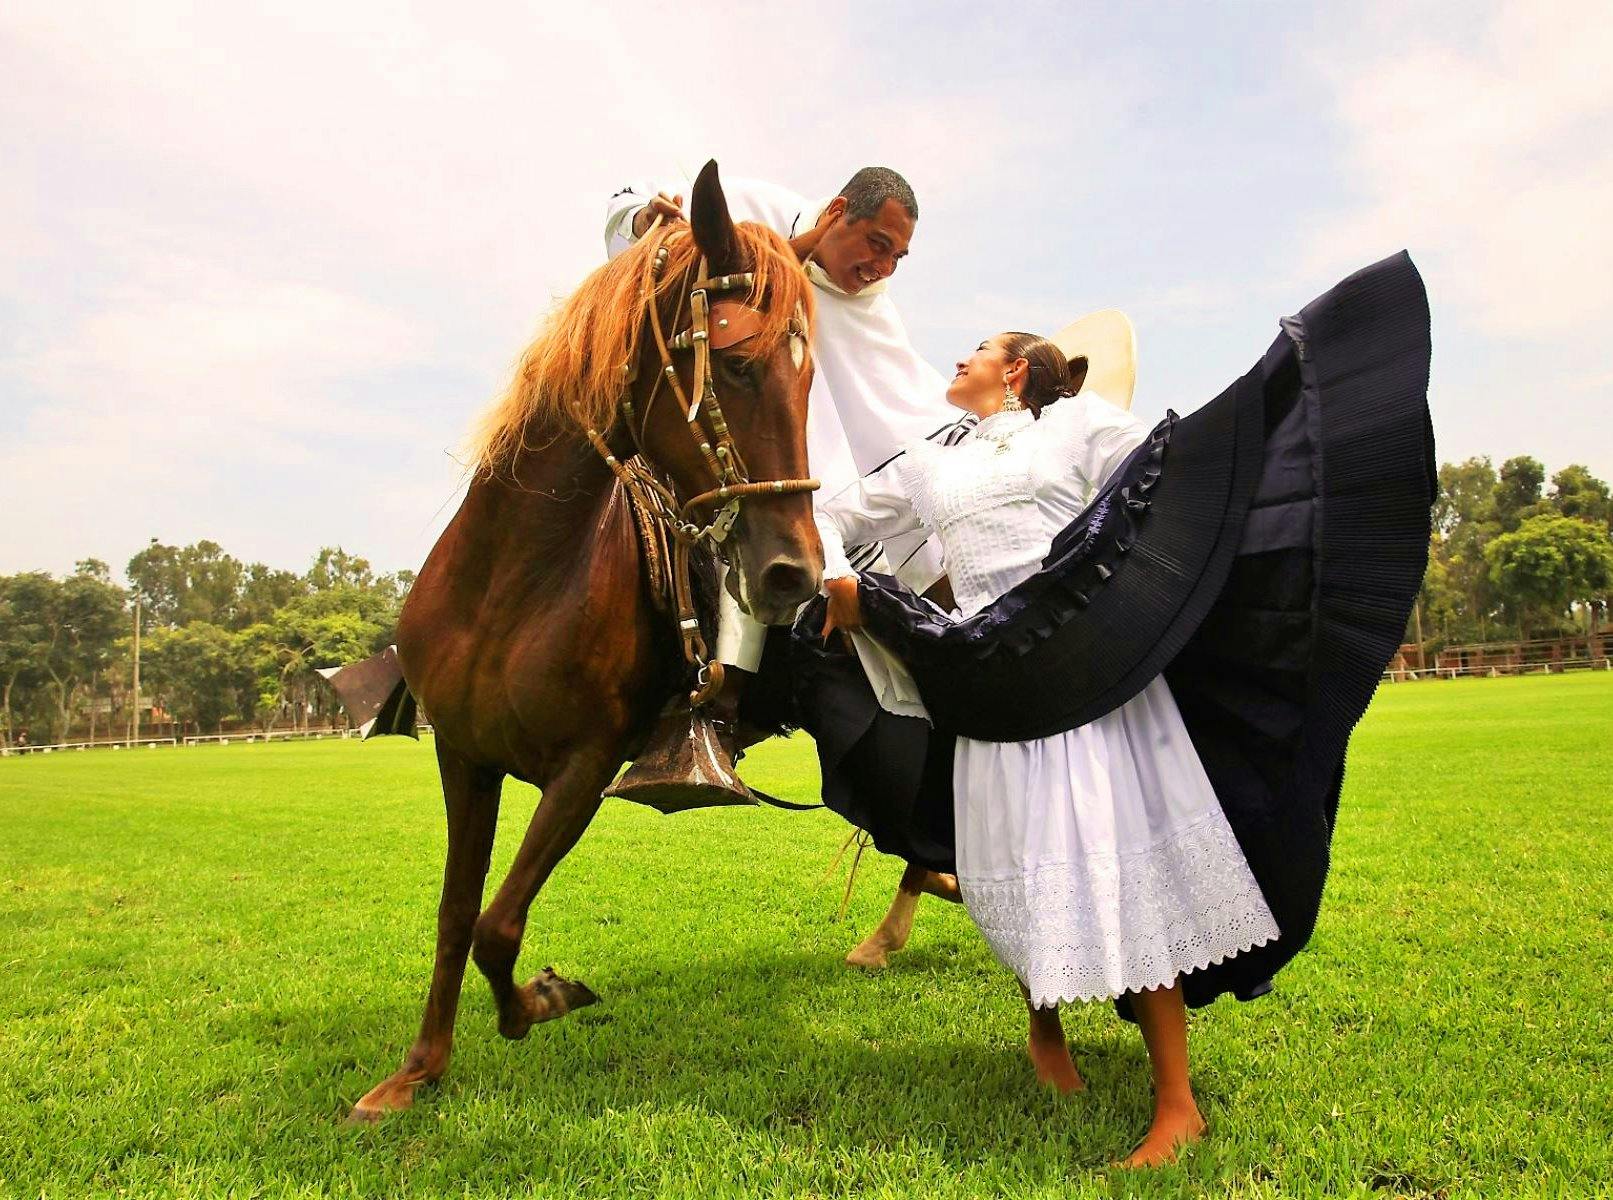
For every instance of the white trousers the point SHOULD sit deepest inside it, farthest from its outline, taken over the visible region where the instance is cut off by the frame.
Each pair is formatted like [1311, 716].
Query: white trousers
[740, 636]
[741, 639]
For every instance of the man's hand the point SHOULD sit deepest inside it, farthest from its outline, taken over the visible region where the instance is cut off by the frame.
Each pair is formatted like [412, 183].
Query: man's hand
[663, 205]
[845, 609]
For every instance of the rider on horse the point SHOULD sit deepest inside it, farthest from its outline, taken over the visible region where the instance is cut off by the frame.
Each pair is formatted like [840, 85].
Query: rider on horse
[871, 393]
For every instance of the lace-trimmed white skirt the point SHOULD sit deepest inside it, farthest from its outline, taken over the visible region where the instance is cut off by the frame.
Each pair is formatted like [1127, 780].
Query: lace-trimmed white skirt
[1098, 861]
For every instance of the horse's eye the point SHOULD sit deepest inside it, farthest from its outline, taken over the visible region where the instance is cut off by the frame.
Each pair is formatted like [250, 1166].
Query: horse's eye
[738, 368]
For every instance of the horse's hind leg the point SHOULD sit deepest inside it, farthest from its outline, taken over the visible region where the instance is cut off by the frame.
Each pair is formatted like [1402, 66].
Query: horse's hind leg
[568, 805]
[471, 795]
[874, 950]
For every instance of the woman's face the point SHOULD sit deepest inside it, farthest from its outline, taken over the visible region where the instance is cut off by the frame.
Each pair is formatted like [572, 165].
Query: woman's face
[978, 385]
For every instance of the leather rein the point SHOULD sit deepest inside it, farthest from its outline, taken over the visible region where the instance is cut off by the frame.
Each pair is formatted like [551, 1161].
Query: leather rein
[676, 527]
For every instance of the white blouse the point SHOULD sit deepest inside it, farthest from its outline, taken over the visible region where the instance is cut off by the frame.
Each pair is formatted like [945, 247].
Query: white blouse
[996, 499]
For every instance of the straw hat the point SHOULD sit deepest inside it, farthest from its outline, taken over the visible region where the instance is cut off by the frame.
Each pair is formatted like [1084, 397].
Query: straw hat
[1107, 344]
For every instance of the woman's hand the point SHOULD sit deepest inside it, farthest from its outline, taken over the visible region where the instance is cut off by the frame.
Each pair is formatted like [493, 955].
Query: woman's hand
[845, 609]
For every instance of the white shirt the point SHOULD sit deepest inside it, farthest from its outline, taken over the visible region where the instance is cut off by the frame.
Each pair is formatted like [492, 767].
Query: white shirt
[871, 393]
[997, 498]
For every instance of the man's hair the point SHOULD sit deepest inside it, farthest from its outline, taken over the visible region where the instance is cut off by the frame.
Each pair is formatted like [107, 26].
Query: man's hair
[869, 188]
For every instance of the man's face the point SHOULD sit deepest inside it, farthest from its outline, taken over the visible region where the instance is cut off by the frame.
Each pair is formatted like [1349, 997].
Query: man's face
[855, 254]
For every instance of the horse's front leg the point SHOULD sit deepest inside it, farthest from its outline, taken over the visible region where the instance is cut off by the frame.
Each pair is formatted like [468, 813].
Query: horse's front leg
[471, 795]
[568, 805]
[874, 950]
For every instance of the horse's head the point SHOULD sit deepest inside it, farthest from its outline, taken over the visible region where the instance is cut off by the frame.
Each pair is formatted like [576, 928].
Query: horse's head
[719, 400]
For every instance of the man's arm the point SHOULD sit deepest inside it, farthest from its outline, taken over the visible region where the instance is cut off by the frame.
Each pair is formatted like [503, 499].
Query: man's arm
[629, 213]
[748, 200]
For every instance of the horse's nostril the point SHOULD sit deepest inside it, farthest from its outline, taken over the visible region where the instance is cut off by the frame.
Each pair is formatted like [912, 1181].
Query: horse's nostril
[788, 582]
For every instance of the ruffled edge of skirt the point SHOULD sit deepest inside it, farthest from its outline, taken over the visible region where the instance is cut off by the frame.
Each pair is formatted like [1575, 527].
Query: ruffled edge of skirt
[1124, 921]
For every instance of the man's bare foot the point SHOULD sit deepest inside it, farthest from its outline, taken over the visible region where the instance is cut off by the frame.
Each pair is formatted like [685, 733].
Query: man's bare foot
[1175, 1125]
[1054, 1066]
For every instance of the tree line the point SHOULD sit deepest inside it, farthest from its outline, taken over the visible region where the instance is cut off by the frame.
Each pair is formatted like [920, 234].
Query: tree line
[225, 642]
[1512, 559]
[222, 642]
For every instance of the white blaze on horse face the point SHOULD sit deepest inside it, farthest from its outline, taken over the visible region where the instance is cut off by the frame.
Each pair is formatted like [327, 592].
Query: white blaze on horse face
[798, 337]
[734, 579]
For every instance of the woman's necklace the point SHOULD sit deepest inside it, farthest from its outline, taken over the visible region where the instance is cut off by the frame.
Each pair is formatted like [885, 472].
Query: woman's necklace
[999, 434]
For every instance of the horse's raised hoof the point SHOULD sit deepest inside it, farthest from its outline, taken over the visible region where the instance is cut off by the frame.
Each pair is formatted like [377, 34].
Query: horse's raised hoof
[871, 954]
[388, 1096]
[546, 997]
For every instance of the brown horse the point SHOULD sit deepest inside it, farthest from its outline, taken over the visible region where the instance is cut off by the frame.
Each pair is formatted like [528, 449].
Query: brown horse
[530, 635]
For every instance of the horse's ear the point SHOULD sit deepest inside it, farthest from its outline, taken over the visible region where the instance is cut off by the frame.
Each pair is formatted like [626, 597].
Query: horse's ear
[713, 227]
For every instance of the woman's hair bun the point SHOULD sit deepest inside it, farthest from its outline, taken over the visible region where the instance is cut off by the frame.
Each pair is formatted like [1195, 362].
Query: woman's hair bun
[1049, 379]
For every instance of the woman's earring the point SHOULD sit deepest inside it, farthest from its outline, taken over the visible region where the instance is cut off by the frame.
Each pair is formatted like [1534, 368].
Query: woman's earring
[1011, 402]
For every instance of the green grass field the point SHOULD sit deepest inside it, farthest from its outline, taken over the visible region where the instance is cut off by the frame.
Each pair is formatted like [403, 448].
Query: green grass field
[207, 954]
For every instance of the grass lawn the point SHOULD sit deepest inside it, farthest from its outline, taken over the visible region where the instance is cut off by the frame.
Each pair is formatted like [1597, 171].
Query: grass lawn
[206, 955]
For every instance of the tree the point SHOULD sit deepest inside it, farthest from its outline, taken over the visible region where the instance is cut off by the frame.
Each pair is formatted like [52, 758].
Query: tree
[1576, 493]
[24, 638]
[264, 591]
[321, 630]
[1466, 495]
[1465, 521]
[1440, 598]
[82, 618]
[1549, 563]
[1518, 491]
[154, 578]
[181, 584]
[219, 637]
[201, 673]
[336, 568]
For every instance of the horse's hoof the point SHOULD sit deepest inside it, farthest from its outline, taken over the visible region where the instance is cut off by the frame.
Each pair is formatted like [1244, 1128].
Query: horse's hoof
[544, 998]
[389, 1096]
[870, 955]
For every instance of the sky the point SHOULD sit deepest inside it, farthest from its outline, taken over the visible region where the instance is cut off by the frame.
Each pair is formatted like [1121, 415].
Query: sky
[261, 266]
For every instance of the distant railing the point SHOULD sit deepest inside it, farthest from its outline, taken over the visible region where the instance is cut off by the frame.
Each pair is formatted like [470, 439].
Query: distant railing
[1496, 670]
[285, 735]
[223, 739]
[218, 739]
[122, 744]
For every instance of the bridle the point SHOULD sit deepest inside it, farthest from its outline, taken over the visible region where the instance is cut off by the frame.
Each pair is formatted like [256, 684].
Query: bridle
[675, 528]
[713, 325]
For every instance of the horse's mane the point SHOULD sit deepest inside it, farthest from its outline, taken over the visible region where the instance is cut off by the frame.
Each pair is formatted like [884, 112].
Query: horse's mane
[571, 373]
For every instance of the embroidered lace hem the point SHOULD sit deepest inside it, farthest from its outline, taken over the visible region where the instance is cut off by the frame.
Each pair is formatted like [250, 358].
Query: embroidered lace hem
[1107, 924]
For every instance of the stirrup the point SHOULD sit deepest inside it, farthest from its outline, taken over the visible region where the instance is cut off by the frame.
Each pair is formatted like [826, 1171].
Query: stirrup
[684, 765]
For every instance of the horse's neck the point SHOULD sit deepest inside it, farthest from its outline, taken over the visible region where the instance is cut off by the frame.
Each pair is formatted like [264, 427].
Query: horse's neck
[541, 509]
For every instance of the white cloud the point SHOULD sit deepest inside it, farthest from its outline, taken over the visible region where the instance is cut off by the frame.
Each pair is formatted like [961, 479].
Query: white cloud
[262, 264]
[191, 389]
[245, 225]
[1494, 160]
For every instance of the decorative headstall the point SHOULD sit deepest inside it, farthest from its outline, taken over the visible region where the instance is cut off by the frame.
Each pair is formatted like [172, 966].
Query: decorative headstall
[713, 325]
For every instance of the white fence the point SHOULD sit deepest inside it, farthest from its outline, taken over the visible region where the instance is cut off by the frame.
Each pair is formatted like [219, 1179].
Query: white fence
[221, 739]
[55, 747]
[282, 735]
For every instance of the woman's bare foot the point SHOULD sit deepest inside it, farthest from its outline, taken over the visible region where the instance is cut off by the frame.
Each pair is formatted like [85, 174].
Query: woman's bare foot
[1054, 1066]
[1049, 1052]
[1175, 1125]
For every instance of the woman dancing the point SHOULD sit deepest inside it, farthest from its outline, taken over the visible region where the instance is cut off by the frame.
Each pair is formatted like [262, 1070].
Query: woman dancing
[1096, 862]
